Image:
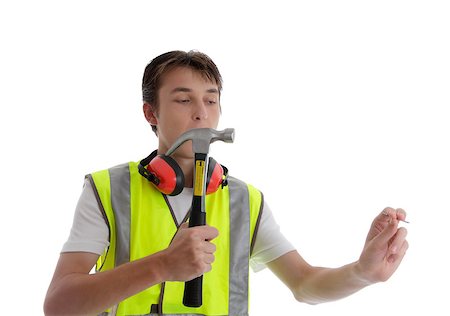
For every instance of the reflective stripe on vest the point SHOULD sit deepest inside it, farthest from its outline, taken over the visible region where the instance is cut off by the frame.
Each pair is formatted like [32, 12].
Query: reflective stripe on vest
[116, 191]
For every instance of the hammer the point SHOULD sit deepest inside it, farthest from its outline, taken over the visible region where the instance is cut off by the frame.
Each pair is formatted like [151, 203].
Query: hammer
[201, 139]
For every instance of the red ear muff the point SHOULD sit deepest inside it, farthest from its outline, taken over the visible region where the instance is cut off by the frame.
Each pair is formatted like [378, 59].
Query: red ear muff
[169, 174]
[216, 176]
[163, 172]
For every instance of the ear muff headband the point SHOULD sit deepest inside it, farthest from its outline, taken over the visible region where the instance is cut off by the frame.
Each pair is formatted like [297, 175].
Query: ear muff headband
[144, 172]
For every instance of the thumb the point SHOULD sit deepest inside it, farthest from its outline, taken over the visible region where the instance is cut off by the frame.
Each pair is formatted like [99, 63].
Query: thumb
[183, 225]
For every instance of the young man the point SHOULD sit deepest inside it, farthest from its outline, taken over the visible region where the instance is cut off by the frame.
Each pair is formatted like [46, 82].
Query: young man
[150, 250]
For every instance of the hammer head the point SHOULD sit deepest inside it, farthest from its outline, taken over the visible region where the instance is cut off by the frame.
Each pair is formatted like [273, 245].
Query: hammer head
[201, 139]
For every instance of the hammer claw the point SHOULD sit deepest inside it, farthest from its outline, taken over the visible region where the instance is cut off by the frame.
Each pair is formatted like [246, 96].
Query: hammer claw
[201, 139]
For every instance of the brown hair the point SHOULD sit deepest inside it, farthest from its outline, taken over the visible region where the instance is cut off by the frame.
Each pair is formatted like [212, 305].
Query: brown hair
[164, 63]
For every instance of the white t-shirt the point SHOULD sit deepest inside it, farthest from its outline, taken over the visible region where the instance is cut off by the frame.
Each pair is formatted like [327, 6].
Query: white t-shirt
[90, 233]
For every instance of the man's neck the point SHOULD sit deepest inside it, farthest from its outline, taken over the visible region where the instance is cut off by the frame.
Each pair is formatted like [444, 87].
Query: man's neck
[187, 165]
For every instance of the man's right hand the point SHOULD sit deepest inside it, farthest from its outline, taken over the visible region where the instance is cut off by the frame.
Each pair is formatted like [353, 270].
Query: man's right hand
[191, 253]
[74, 291]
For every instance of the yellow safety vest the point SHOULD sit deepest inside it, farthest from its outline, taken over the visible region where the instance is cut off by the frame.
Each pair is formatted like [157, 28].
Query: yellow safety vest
[141, 223]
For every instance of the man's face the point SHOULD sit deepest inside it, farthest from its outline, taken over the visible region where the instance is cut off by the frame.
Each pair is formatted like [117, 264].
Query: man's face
[186, 101]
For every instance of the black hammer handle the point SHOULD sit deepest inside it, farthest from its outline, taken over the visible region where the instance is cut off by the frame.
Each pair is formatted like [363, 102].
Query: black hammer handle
[193, 289]
[193, 292]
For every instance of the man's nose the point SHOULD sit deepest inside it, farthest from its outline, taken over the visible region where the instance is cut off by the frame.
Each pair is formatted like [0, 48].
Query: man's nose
[199, 111]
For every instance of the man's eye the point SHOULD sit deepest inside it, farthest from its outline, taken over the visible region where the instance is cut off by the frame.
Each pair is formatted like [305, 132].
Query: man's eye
[212, 102]
[183, 100]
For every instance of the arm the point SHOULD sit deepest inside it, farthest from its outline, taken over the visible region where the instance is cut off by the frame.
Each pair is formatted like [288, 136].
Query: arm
[383, 251]
[74, 291]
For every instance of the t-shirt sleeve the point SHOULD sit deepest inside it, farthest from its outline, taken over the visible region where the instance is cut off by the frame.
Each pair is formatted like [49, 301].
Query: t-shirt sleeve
[89, 231]
[270, 243]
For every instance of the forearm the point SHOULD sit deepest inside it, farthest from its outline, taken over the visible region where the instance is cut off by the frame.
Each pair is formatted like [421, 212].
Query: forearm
[329, 284]
[383, 251]
[314, 285]
[80, 293]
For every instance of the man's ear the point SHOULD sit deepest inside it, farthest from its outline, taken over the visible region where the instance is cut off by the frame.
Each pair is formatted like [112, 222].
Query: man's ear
[149, 113]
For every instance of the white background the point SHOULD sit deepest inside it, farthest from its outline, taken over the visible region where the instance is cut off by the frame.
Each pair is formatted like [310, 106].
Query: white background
[340, 109]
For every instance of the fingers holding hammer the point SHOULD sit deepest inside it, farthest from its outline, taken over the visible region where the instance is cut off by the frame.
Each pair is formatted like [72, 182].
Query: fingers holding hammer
[191, 252]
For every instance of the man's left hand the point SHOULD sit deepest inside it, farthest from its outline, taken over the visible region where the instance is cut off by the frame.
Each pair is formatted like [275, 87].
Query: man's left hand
[385, 246]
